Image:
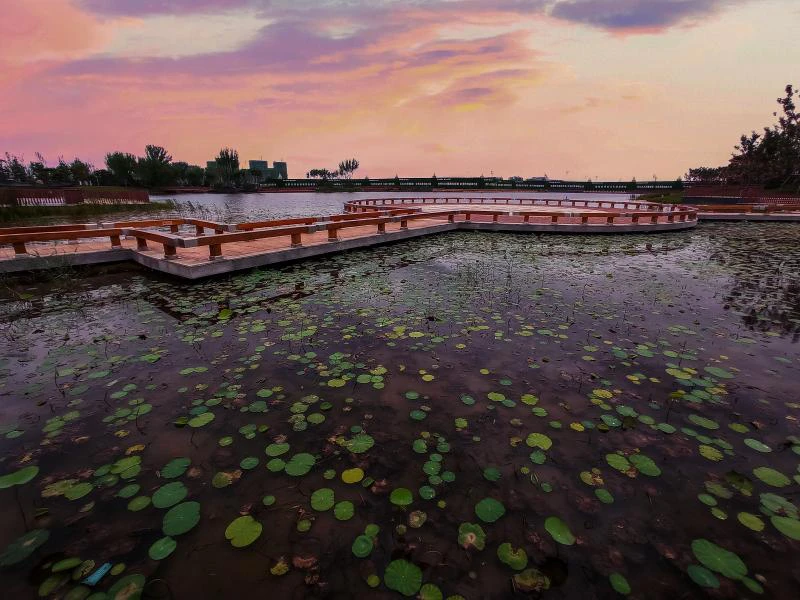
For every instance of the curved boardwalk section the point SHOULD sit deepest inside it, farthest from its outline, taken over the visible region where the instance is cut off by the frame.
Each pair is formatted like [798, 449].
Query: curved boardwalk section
[193, 248]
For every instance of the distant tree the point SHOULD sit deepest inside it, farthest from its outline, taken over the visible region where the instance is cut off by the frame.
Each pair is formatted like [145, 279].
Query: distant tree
[194, 175]
[103, 177]
[323, 174]
[61, 173]
[348, 167]
[81, 171]
[39, 171]
[154, 169]
[122, 166]
[396, 181]
[707, 175]
[14, 169]
[227, 167]
[434, 181]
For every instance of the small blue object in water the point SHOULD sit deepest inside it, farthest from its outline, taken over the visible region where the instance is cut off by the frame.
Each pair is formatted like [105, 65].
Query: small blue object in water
[95, 577]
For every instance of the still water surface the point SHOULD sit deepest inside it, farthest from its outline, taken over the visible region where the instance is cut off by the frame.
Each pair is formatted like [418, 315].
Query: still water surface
[473, 414]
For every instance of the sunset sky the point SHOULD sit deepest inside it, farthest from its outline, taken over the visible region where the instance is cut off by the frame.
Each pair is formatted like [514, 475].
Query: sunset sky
[571, 88]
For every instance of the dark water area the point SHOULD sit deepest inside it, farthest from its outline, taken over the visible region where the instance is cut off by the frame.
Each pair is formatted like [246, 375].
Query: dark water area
[236, 208]
[471, 415]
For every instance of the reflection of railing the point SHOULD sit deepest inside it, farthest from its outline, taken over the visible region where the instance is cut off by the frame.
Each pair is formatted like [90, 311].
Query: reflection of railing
[31, 196]
[749, 208]
[370, 204]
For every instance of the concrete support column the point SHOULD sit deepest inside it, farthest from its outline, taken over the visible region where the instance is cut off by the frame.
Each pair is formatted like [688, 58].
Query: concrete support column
[170, 252]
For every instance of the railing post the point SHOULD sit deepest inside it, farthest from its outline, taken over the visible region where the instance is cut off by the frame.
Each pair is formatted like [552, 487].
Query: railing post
[19, 249]
[654, 219]
[173, 228]
[671, 218]
[467, 216]
[115, 242]
[333, 234]
[635, 219]
[141, 244]
[170, 252]
[215, 251]
[494, 218]
[526, 219]
[297, 240]
[584, 219]
[610, 220]
[554, 219]
[404, 224]
[451, 218]
[198, 230]
[381, 228]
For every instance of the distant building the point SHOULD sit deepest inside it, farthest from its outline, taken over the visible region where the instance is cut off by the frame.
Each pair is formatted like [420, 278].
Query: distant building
[277, 171]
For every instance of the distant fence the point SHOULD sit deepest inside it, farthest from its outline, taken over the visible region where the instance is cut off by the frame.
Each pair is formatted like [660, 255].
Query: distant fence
[31, 196]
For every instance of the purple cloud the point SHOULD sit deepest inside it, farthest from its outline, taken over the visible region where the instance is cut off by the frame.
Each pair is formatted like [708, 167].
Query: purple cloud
[635, 14]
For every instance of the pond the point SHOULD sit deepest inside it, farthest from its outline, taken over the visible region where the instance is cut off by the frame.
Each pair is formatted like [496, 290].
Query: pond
[235, 208]
[476, 415]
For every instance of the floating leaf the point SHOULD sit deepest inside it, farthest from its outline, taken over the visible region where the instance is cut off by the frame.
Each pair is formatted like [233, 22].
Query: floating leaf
[718, 559]
[322, 499]
[362, 546]
[489, 510]
[619, 583]
[703, 577]
[344, 510]
[403, 577]
[175, 468]
[300, 464]
[169, 494]
[23, 547]
[181, 518]
[20, 477]
[401, 497]
[516, 558]
[243, 531]
[162, 548]
[559, 531]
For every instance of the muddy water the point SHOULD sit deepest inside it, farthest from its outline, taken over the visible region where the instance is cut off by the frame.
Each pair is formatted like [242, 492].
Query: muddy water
[628, 404]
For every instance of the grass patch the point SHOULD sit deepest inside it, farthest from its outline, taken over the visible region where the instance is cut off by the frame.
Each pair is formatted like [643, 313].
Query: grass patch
[13, 214]
[670, 198]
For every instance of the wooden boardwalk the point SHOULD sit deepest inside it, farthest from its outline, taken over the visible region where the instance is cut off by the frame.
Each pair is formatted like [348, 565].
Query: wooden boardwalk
[192, 248]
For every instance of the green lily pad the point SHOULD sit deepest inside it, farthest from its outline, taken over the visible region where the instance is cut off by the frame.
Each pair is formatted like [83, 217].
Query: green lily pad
[175, 468]
[516, 558]
[788, 527]
[771, 477]
[359, 443]
[322, 499]
[162, 548]
[300, 464]
[489, 510]
[181, 518]
[243, 531]
[344, 510]
[403, 577]
[128, 588]
[539, 440]
[274, 450]
[619, 583]
[23, 547]
[718, 559]
[362, 546]
[169, 494]
[21, 477]
[559, 531]
[401, 497]
[703, 577]
[471, 535]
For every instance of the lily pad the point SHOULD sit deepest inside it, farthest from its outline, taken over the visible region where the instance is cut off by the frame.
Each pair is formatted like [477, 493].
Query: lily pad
[362, 546]
[489, 510]
[162, 548]
[403, 577]
[169, 494]
[718, 559]
[516, 558]
[20, 477]
[300, 464]
[23, 547]
[559, 531]
[322, 499]
[401, 497]
[181, 518]
[243, 531]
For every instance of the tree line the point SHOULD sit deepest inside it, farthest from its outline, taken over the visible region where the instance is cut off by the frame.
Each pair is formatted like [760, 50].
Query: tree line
[155, 169]
[770, 158]
[345, 171]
